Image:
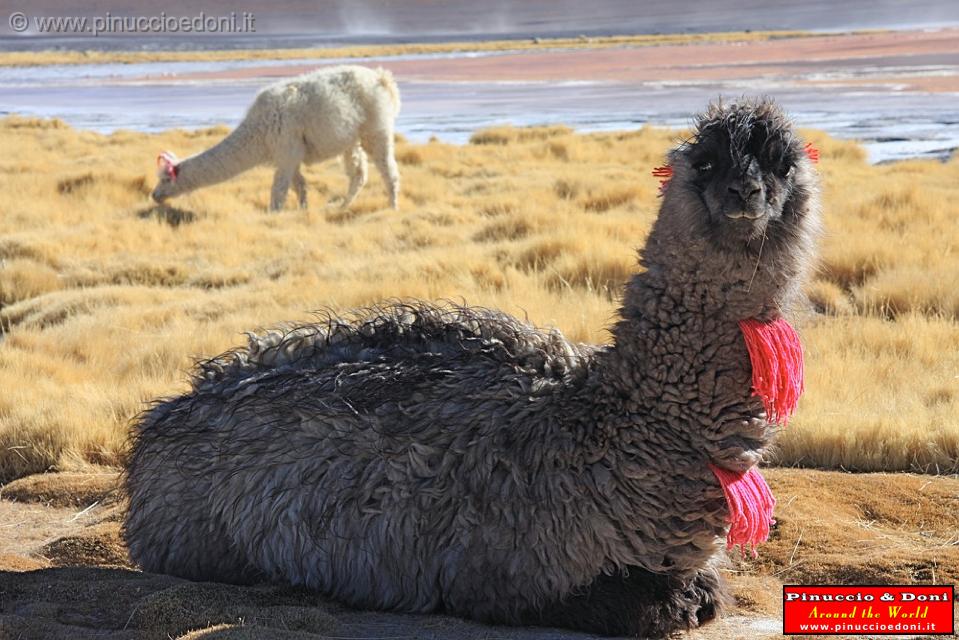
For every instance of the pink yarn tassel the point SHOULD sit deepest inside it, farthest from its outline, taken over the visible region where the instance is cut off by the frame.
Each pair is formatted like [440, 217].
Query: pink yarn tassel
[776, 356]
[775, 353]
[751, 506]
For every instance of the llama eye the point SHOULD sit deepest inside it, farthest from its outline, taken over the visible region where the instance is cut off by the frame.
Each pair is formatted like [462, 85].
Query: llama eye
[704, 167]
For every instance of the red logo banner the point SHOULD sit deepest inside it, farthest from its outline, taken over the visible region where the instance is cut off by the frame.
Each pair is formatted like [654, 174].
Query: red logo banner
[868, 610]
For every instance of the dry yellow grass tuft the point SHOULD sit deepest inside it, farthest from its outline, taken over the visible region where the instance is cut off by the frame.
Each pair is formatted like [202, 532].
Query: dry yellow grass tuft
[107, 298]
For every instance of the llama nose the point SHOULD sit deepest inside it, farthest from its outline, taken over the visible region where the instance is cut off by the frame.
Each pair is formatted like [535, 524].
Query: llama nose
[746, 190]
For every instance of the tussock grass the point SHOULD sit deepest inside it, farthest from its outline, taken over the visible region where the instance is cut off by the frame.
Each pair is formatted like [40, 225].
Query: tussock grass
[107, 298]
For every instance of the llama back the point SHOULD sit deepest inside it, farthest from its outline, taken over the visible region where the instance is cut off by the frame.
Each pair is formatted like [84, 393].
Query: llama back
[342, 97]
[400, 331]
[359, 84]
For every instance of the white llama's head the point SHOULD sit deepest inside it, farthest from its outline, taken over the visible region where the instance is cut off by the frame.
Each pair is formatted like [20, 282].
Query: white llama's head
[168, 170]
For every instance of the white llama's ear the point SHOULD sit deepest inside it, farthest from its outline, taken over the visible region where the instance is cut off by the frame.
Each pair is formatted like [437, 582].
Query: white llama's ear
[167, 165]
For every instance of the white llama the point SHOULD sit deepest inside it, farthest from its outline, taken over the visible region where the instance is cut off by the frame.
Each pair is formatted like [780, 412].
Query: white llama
[348, 110]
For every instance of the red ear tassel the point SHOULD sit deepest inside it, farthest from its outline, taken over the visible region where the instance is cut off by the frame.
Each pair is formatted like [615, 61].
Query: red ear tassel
[664, 173]
[167, 162]
[812, 152]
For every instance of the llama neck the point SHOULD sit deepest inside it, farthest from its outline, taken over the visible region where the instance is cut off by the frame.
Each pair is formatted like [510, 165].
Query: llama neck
[674, 392]
[241, 150]
[679, 355]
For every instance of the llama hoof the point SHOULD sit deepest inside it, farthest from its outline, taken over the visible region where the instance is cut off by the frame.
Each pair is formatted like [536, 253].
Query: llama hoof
[701, 601]
[707, 597]
[638, 603]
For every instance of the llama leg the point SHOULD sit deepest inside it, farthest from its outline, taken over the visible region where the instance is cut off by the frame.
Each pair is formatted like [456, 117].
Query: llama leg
[299, 186]
[380, 147]
[281, 184]
[356, 168]
[637, 603]
[287, 166]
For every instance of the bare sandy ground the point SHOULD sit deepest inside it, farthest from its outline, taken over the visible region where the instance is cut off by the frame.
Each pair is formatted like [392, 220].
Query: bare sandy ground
[913, 60]
[64, 572]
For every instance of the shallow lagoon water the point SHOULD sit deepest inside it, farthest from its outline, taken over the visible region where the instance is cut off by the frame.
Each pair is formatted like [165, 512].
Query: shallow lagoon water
[892, 124]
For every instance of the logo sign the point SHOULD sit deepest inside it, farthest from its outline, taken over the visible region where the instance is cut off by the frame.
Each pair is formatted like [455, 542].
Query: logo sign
[868, 610]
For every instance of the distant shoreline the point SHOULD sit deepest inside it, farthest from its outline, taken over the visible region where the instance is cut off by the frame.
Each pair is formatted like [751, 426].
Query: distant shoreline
[466, 45]
[860, 60]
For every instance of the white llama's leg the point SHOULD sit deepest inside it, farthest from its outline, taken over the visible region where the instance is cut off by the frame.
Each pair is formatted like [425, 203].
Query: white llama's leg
[299, 186]
[281, 184]
[380, 147]
[357, 169]
[286, 167]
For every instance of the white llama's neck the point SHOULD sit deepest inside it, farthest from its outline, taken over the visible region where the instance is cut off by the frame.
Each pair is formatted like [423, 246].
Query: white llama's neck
[243, 149]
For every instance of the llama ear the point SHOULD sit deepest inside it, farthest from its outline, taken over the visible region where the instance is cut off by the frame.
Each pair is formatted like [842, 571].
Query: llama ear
[167, 165]
[665, 174]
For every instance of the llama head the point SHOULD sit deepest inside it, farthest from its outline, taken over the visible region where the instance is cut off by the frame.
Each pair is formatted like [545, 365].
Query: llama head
[168, 170]
[744, 177]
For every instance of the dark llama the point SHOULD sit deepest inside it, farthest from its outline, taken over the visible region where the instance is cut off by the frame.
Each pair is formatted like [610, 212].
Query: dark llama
[422, 458]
